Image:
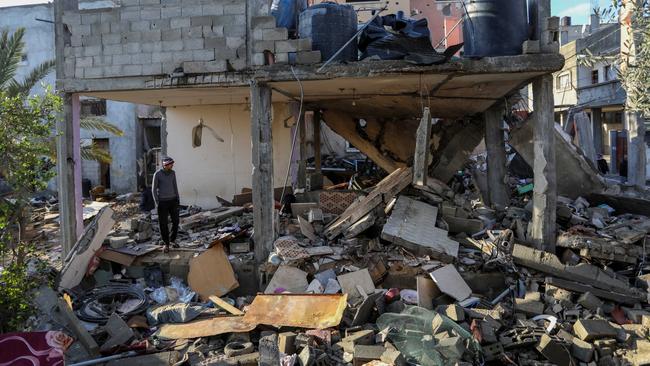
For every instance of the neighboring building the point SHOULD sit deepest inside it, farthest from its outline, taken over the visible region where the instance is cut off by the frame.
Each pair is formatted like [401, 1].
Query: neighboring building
[594, 87]
[121, 175]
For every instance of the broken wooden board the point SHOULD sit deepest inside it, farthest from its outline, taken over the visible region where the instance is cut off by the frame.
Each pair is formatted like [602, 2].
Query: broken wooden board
[313, 311]
[412, 225]
[211, 273]
[383, 192]
[205, 328]
[287, 278]
[76, 262]
[225, 306]
[126, 255]
[247, 195]
[360, 226]
[211, 217]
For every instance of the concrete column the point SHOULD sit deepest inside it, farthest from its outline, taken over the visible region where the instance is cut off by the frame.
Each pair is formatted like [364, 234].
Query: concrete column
[69, 173]
[636, 157]
[496, 157]
[163, 132]
[317, 143]
[302, 137]
[262, 158]
[421, 158]
[543, 229]
[597, 124]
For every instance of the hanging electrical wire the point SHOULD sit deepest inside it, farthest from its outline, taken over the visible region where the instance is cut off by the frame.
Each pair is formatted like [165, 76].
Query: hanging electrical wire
[293, 139]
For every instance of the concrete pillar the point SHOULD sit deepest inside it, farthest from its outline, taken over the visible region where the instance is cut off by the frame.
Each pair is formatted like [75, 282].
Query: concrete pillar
[597, 124]
[421, 157]
[302, 139]
[543, 228]
[636, 157]
[69, 173]
[262, 158]
[163, 132]
[496, 157]
[317, 143]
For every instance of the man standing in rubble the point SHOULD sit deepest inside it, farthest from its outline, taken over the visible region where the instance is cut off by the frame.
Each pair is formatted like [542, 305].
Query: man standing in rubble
[165, 195]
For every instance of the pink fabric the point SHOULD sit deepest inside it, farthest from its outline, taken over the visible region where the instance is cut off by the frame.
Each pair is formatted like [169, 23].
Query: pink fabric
[33, 349]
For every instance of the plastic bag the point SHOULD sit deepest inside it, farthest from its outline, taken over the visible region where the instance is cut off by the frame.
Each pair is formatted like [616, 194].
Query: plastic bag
[185, 294]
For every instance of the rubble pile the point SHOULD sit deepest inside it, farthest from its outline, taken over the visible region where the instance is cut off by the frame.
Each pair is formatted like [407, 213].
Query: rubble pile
[399, 273]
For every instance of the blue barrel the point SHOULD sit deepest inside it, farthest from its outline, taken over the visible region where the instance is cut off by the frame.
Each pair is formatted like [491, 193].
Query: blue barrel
[495, 27]
[330, 26]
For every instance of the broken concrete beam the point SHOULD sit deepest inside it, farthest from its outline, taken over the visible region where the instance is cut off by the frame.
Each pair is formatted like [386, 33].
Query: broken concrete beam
[421, 157]
[584, 273]
[592, 329]
[383, 192]
[603, 294]
[410, 226]
[584, 178]
[77, 328]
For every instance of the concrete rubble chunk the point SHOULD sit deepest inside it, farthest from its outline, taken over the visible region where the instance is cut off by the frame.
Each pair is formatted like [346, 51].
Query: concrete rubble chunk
[410, 226]
[451, 283]
[593, 329]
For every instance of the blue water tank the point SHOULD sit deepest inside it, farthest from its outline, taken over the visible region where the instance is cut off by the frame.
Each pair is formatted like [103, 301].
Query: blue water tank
[495, 27]
[330, 26]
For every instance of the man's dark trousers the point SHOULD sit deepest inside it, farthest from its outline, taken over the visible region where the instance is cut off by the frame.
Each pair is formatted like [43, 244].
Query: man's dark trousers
[165, 209]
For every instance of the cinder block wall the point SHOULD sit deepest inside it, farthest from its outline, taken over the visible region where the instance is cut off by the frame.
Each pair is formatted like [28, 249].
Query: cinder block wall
[154, 37]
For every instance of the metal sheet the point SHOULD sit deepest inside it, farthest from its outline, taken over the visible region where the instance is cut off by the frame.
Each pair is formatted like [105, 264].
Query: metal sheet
[205, 328]
[294, 310]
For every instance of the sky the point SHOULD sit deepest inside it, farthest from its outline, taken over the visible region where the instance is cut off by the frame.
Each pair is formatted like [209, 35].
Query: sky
[578, 10]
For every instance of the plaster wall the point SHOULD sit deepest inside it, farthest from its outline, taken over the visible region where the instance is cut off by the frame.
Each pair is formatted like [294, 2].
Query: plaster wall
[221, 168]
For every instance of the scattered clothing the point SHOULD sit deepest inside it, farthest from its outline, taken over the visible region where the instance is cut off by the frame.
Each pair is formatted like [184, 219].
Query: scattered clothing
[34, 348]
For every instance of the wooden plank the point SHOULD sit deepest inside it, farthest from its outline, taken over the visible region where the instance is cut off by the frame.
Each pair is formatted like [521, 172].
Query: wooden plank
[421, 157]
[225, 306]
[345, 126]
[247, 196]
[412, 225]
[383, 192]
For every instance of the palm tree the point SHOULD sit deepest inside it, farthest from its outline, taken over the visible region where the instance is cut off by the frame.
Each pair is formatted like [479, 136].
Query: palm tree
[12, 49]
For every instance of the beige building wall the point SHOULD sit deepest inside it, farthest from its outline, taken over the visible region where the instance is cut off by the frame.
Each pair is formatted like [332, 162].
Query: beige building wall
[220, 168]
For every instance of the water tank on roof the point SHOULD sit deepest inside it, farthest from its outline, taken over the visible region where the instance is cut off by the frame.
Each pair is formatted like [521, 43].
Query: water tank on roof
[330, 26]
[495, 27]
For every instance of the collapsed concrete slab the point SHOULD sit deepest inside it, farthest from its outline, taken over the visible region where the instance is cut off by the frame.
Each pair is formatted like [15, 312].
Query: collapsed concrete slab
[578, 176]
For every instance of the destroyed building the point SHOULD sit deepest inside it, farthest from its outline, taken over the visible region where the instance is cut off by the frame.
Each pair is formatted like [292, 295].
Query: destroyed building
[434, 256]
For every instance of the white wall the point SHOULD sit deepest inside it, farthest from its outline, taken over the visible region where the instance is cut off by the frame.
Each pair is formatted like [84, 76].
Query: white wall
[220, 168]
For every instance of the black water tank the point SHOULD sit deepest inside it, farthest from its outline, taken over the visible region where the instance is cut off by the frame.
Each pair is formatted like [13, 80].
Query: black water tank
[330, 26]
[495, 27]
